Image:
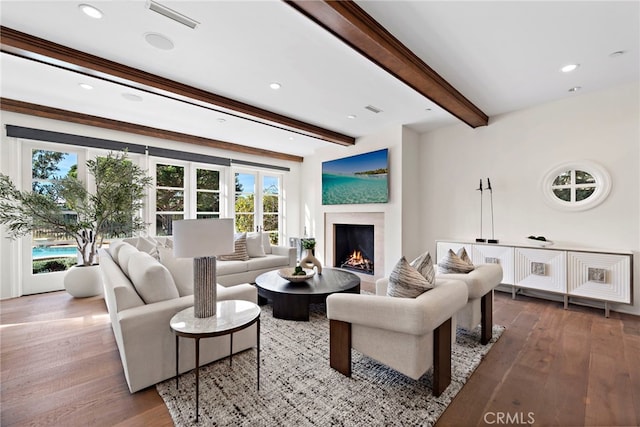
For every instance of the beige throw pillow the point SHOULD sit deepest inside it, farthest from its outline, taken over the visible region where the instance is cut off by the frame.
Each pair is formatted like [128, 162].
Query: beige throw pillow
[240, 252]
[424, 264]
[180, 268]
[406, 282]
[452, 263]
[152, 280]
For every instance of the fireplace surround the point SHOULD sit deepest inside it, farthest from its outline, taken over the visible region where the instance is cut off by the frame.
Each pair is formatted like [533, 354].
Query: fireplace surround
[357, 221]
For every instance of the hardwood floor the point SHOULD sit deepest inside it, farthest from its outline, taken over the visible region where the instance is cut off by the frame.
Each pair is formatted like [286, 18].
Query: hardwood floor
[60, 367]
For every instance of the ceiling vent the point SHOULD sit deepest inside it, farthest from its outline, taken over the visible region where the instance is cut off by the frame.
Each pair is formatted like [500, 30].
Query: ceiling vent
[373, 109]
[172, 14]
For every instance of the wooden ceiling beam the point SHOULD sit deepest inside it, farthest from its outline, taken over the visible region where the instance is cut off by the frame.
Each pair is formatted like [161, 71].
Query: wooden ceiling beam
[35, 48]
[85, 119]
[346, 20]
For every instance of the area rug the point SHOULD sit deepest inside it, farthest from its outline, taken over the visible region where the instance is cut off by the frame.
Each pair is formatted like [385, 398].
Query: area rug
[299, 388]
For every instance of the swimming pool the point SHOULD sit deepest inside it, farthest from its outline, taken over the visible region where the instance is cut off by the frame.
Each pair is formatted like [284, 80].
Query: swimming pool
[54, 251]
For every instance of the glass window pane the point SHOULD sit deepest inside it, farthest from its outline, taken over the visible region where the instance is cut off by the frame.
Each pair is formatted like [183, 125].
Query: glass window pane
[563, 179]
[245, 183]
[53, 164]
[164, 223]
[583, 177]
[244, 203]
[584, 193]
[205, 216]
[563, 194]
[207, 179]
[208, 202]
[170, 176]
[270, 222]
[270, 203]
[244, 222]
[169, 200]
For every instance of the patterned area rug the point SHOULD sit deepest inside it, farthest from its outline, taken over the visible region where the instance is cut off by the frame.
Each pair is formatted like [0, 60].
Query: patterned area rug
[299, 388]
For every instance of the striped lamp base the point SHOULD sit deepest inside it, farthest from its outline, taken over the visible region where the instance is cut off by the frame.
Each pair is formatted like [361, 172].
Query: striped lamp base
[204, 286]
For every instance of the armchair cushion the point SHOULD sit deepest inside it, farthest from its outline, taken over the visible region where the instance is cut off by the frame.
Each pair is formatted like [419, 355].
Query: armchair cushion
[407, 282]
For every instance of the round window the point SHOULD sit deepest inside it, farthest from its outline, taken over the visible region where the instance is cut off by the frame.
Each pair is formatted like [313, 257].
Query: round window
[576, 185]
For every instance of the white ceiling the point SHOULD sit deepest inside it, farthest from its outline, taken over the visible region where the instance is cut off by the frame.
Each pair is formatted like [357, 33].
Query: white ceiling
[502, 55]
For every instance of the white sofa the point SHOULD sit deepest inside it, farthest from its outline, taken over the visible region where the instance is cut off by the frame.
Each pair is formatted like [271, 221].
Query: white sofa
[142, 296]
[230, 273]
[408, 334]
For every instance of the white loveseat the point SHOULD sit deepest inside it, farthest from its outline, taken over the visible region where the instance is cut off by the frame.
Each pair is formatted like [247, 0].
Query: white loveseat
[263, 257]
[142, 296]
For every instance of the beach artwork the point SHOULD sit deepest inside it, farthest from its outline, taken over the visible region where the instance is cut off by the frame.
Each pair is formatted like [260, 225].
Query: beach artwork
[357, 179]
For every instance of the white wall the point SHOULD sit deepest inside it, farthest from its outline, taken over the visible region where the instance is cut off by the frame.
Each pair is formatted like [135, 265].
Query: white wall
[515, 151]
[9, 165]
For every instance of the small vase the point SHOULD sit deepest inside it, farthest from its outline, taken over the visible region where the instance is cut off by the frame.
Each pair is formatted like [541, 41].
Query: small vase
[83, 281]
[309, 261]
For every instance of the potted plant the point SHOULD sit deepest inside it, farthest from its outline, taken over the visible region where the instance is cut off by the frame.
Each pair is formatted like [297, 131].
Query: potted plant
[113, 208]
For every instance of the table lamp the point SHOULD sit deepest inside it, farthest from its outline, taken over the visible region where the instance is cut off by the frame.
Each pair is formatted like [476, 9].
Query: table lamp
[202, 240]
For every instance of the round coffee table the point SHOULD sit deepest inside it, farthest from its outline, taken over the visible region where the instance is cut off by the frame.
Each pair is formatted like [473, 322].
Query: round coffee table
[291, 300]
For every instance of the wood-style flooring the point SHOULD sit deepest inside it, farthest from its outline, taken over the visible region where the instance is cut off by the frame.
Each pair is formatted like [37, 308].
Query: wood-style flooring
[60, 367]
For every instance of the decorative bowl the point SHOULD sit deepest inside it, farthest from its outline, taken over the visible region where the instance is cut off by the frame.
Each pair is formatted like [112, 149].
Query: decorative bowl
[287, 274]
[541, 243]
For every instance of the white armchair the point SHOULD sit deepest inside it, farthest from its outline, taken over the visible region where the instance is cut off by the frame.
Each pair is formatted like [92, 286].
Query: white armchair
[479, 309]
[407, 334]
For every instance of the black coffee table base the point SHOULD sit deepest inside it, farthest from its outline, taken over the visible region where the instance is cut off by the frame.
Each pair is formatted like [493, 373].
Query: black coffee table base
[290, 301]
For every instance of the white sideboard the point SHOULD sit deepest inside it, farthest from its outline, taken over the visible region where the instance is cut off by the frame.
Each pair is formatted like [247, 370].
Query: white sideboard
[571, 272]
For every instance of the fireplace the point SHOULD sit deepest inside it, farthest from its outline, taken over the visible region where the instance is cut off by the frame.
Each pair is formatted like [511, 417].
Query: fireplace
[370, 247]
[354, 247]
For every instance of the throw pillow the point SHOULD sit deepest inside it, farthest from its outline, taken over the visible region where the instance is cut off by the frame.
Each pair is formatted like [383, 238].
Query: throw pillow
[462, 254]
[114, 248]
[406, 282]
[180, 268]
[452, 263]
[240, 252]
[152, 280]
[266, 242]
[424, 264]
[255, 246]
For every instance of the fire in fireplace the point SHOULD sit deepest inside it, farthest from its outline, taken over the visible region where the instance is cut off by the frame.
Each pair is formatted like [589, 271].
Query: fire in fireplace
[354, 246]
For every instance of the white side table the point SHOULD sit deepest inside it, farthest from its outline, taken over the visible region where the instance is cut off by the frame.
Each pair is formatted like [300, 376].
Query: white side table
[231, 316]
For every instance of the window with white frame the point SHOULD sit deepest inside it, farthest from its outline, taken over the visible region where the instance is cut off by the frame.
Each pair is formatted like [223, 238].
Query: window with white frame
[576, 186]
[257, 203]
[170, 197]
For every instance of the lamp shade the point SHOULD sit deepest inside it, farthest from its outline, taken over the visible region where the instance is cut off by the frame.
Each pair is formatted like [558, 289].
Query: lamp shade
[195, 238]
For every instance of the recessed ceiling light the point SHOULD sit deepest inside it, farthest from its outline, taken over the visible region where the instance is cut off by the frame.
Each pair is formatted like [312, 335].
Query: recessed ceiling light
[275, 85]
[85, 86]
[617, 53]
[291, 138]
[351, 116]
[569, 68]
[158, 41]
[132, 97]
[90, 11]
[575, 89]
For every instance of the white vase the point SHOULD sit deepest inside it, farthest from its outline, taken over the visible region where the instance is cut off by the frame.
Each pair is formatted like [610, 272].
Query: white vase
[309, 261]
[83, 281]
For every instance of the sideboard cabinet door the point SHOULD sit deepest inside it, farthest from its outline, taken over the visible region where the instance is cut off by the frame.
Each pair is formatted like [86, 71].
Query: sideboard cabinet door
[541, 269]
[600, 276]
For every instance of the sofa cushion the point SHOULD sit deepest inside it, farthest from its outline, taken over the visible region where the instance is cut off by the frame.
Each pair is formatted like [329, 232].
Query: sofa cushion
[232, 267]
[180, 268]
[406, 282]
[152, 280]
[114, 248]
[124, 254]
[424, 264]
[255, 246]
[270, 261]
[452, 263]
[240, 251]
